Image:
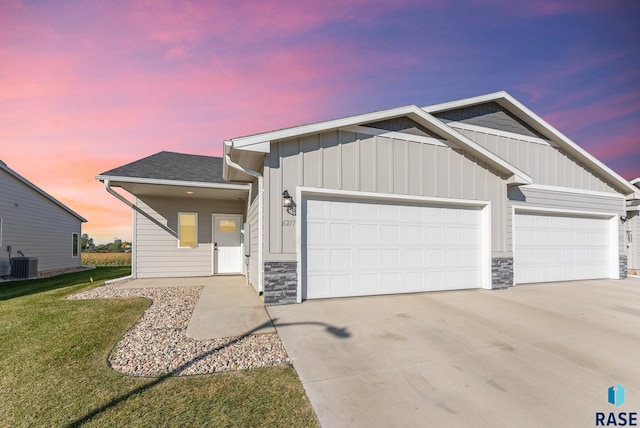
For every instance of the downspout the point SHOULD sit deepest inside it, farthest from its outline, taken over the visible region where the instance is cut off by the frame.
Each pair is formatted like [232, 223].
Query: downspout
[108, 188]
[260, 213]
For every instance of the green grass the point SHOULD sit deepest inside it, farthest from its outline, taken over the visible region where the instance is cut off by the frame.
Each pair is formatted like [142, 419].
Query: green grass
[53, 369]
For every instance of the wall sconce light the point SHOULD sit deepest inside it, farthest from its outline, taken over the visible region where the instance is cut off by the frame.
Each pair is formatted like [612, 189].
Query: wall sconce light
[623, 218]
[287, 202]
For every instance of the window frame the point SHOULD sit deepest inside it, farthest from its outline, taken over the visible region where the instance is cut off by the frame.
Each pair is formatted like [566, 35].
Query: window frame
[180, 214]
[75, 245]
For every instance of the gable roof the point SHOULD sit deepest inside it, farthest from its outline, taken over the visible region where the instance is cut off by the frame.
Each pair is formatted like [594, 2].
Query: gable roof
[262, 142]
[4, 167]
[538, 124]
[170, 166]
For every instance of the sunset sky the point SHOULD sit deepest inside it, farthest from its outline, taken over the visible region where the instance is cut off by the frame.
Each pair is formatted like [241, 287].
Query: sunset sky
[86, 86]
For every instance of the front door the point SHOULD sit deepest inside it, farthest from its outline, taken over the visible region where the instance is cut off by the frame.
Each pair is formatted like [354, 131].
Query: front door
[227, 254]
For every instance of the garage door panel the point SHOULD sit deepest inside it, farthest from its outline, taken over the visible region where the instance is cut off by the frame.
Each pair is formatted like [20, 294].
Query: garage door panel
[383, 247]
[560, 248]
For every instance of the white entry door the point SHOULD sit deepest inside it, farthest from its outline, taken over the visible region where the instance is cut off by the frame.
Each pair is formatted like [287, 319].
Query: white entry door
[227, 253]
[355, 247]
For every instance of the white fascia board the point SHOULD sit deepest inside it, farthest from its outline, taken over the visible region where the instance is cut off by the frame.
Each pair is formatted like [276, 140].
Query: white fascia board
[258, 140]
[562, 211]
[635, 181]
[392, 197]
[574, 191]
[136, 180]
[535, 121]
[411, 111]
[29, 184]
[465, 102]
[395, 135]
[492, 131]
[518, 176]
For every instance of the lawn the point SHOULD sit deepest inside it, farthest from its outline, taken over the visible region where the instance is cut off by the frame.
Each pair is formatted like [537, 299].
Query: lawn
[53, 369]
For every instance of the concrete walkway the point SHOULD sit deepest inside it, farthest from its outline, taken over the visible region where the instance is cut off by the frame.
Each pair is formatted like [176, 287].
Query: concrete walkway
[227, 306]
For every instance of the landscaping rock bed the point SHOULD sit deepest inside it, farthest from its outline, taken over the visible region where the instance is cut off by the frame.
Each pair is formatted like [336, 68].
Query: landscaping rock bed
[158, 343]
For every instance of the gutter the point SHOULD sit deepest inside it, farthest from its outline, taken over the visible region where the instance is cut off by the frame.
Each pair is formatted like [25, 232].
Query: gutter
[107, 186]
[257, 175]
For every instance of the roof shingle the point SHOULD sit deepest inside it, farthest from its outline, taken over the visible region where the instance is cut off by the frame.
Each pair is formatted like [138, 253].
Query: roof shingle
[173, 166]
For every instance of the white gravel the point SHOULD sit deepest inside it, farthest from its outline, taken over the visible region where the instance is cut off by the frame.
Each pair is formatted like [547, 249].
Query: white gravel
[158, 343]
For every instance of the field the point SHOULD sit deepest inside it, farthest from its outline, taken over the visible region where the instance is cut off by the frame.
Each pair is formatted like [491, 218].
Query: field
[106, 259]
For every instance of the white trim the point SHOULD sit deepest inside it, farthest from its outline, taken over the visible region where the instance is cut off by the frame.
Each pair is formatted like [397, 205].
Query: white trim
[485, 217]
[135, 180]
[498, 132]
[4, 167]
[465, 102]
[390, 197]
[572, 190]
[413, 112]
[180, 229]
[134, 238]
[519, 110]
[611, 217]
[595, 214]
[396, 135]
[635, 181]
[313, 128]
[77, 242]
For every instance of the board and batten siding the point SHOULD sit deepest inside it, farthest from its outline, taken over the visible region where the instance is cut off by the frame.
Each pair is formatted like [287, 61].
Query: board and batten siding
[253, 212]
[344, 160]
[545, 163]
[634, 253]
[156, 251]
[35, 225]
[565, 200]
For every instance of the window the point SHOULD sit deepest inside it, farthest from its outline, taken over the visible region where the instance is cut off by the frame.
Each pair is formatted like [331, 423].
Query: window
[187, 230]
[75, 245]
[227, 226]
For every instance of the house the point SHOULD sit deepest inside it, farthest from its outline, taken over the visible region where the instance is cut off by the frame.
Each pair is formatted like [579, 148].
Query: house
[632, 232]
[36, 225]
[475, 193]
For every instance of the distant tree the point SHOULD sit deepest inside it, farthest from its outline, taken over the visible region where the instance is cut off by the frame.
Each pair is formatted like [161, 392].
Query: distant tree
[87, 242]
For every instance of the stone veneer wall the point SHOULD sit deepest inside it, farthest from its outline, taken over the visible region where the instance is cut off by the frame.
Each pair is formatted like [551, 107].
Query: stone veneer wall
[501, 272]
[623, 267]
[280, 283]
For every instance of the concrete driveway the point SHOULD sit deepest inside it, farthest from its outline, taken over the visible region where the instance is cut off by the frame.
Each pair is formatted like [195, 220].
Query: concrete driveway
[538, 355]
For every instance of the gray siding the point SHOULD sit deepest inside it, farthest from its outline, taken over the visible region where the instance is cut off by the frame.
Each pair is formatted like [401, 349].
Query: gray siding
[36, 226]
[634, 253]
[489, 115]
[254, 270]
[565, 201]
[546, 164]
[349, 161]
[157, 253]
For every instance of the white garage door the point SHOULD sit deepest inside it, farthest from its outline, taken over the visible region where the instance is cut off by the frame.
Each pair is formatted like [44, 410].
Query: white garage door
[557, 248]
[354, 247]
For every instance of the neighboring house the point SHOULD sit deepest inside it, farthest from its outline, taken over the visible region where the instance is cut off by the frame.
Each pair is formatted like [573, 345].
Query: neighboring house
[34, 223]
[633, 232]
[475, 193]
